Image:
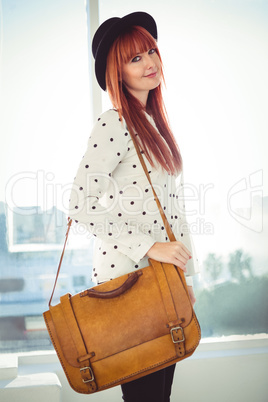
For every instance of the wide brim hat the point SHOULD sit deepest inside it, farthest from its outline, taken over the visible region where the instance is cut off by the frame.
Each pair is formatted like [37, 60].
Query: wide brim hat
[108, 31]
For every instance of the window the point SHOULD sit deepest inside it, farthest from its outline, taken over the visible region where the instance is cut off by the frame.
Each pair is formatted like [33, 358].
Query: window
[215, 70]
[46, 120]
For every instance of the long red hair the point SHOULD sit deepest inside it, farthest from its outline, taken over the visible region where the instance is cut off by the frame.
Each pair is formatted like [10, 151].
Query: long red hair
[162, 148]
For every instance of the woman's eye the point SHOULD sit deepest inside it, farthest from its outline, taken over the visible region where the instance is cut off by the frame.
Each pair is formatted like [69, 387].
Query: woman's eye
[151, 51]
[137, 58]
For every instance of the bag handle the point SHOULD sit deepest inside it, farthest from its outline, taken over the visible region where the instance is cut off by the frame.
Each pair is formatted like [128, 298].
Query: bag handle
[169, 231]
[129, 282]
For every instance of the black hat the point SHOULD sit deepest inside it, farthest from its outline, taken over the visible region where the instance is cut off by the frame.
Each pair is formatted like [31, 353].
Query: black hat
[108, 31]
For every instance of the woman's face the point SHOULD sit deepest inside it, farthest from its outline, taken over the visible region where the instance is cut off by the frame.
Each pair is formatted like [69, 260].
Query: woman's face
[141, 74]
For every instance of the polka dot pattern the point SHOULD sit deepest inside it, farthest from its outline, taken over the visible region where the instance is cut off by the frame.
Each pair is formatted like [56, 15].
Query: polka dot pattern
[112, 197]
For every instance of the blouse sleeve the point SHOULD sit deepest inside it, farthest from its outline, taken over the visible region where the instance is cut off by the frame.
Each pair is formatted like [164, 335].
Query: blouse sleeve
[107, 146]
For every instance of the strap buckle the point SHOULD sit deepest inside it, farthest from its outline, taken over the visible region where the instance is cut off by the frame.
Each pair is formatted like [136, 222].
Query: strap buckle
[91, 374]
[176, 336]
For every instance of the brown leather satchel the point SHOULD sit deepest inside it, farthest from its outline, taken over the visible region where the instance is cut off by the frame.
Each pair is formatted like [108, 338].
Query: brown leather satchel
[125, 328]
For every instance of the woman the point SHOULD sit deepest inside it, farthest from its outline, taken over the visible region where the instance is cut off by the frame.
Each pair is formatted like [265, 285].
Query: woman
[111, 194]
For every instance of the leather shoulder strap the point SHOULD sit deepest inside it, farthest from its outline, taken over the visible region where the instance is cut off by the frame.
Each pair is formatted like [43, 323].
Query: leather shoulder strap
[61, 258]
[169, 231]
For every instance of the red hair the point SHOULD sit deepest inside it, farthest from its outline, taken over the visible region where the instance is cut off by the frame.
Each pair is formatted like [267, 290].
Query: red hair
[163, 148]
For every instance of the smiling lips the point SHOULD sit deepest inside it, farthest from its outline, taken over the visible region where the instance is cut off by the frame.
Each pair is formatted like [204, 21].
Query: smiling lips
[152, 75]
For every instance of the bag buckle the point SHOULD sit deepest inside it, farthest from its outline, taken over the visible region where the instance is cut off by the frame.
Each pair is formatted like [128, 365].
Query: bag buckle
[175, 337]
[91, 373]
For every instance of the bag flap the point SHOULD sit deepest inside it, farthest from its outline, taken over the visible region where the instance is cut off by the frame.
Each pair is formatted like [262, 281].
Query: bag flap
[60, 327]
[174, 290]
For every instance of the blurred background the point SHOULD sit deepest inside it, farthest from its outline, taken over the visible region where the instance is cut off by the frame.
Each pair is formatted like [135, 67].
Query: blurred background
[215, 62]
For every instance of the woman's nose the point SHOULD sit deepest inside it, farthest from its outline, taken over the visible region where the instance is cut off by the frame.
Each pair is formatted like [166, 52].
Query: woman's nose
[149, 62]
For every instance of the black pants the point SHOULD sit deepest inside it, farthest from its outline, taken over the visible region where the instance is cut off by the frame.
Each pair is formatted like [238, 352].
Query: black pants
[155, 387]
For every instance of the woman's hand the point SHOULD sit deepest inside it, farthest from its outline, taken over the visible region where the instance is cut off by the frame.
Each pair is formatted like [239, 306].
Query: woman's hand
[173, 252]
[191, 294]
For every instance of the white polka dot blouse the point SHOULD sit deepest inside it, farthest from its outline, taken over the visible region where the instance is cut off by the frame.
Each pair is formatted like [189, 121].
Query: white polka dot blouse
[112, 197]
